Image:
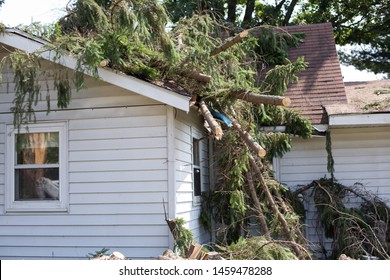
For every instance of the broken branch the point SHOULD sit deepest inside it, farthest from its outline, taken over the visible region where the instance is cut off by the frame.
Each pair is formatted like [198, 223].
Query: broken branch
[214, 125]
[230, 43]
[263, 99]
[252, 144]
[196, 76]
[258, 208]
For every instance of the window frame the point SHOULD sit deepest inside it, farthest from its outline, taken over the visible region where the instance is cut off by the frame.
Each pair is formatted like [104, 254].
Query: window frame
[13, 205]
[196, 165]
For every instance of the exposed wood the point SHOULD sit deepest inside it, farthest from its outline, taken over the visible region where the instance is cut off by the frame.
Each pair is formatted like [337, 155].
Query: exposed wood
[104, 63]
[263, 99]
[196, 76]
[214, 125]
[230, 43]
[194, 251]
[252, 144]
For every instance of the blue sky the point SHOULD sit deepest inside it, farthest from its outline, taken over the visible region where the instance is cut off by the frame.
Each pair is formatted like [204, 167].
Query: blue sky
[15, 12]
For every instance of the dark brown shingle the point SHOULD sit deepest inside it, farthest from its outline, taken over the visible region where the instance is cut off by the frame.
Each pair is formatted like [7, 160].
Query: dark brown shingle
[322, 82]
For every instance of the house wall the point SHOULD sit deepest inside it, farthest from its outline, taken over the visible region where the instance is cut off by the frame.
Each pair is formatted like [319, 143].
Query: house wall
[117, 175]
[188, 126]
[361, 155]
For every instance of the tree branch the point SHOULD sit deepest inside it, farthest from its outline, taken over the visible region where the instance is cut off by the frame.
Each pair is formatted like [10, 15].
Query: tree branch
[230, 43]
[263, 99]
[252, 144]
[196, 76]
[214, 125]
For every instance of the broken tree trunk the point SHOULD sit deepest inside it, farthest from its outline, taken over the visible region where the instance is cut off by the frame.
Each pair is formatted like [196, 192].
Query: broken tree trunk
[230, 43]
[268, 196]
[252, 144]
[196, 76]
[258, 209]
[263, 99]
[214, 125]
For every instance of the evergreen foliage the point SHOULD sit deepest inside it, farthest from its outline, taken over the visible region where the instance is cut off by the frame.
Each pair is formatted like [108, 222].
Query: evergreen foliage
[357, 230]
[131, 36]
[257, 248]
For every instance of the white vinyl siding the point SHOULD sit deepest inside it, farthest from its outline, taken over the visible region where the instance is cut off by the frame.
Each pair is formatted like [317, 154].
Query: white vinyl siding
[117, 178]
[187, 207]
[361, 155]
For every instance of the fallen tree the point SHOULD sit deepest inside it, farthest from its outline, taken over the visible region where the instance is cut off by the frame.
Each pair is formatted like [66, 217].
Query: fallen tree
[219, 74]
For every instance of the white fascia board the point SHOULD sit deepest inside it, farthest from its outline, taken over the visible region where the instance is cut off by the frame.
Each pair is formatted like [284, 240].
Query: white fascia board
[376, 119]
[24, 42]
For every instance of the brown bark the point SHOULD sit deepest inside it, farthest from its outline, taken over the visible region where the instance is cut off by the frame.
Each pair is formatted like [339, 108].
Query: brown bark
[250, 8]
[263, 99]
[290, 10]
[214, 125]
[252, 144]
[230, 43]
[285, 227]
[232, 9]
[196, 76]
[258, 208]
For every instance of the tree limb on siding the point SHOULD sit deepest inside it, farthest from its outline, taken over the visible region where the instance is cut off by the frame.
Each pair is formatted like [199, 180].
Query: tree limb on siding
[230, 43]
[262, 99]
[258, 209]
[268, 196]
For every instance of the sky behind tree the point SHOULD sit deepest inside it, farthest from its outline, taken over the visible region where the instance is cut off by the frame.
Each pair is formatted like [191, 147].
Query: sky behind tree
[15, 12]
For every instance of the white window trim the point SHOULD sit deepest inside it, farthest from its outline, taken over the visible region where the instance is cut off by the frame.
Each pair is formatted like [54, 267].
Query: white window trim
[61, 205]
[196, 200]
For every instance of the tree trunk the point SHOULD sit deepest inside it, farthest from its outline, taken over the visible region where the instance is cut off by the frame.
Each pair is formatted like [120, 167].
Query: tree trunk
[289, 12]
[232, 9]
[250, 8]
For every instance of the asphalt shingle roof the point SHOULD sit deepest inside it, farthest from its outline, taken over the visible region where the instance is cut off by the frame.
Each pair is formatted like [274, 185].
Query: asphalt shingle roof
[322, 81]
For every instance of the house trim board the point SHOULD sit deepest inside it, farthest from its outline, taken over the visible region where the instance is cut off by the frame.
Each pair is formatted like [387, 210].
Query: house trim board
[171, 138]
[376, 119]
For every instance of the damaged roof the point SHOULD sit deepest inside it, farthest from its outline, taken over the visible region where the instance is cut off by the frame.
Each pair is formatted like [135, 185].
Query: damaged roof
[363, 98]
[322, 81]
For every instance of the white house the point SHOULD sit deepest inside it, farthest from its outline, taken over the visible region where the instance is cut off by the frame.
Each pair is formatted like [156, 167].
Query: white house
[95, 175]
[356, 114]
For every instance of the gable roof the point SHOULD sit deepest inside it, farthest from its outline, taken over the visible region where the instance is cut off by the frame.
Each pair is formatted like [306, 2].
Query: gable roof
[322, 82]
[25, 42]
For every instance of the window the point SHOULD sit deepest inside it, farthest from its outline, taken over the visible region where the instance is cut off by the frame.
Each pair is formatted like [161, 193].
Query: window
[36, 162]
[196, 169]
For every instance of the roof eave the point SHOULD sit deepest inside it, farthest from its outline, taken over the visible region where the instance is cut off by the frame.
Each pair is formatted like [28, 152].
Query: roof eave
[25, 42]
[360, 120]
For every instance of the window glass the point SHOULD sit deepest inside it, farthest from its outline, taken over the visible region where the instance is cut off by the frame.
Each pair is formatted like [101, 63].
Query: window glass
[37, 166]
